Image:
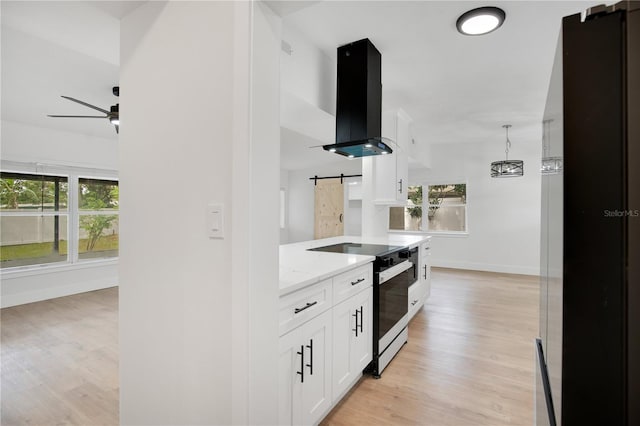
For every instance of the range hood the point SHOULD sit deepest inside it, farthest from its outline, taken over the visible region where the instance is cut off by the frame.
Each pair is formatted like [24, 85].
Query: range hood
[359, 102]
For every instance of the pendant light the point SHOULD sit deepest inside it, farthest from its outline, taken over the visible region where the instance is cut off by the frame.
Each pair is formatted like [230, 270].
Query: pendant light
[506, 167]
[550, 165]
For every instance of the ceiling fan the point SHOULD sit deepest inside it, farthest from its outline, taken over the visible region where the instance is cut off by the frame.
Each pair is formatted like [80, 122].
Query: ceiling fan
[113, 113]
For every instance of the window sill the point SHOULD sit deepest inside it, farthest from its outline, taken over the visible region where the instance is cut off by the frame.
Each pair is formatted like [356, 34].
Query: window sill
[432, 233]
[25, 271]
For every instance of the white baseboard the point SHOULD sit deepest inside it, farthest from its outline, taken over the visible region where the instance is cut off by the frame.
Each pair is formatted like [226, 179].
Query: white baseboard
[35, 288]
[473, 266]
[52, 293]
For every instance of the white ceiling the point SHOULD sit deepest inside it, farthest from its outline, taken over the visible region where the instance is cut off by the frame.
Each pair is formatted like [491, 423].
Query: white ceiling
[456, 88]
[53, 48]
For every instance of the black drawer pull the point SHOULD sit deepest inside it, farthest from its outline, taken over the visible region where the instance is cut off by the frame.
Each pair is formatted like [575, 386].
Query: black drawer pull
[358, 281]
[414, 303]
[308, 305]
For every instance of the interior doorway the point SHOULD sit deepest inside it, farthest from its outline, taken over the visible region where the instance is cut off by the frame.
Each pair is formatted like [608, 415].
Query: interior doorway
[329, 208]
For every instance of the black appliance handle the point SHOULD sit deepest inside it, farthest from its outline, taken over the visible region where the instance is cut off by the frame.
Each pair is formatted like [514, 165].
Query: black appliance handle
[301, 372]
[546, 386]
[310, 365]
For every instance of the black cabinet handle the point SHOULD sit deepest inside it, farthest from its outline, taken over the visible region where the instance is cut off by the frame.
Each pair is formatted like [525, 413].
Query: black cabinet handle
[308, 305]
[301, 372]
[340, 217]
[414, 303]
[361, 320]
[400, 190]
[310, 365]
[425, 271]
[358, 281]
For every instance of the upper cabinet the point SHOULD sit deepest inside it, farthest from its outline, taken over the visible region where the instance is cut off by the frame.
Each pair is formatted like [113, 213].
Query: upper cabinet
[392, 171]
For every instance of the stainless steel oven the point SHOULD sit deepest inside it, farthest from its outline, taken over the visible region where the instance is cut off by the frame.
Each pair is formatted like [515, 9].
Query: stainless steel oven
[393, 274]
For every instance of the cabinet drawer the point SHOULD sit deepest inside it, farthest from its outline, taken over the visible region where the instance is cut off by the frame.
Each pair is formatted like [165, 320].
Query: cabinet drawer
[298, 307]
[352, 282]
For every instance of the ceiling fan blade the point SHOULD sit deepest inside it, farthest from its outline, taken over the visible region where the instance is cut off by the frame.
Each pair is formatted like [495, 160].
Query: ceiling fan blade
[86, 104]
[78, 116]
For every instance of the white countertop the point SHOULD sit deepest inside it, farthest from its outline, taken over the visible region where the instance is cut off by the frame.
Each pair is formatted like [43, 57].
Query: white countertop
[300, 268]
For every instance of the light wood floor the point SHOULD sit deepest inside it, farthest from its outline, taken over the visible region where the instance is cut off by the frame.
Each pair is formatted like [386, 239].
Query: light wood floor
[60, 361]
[469, 360]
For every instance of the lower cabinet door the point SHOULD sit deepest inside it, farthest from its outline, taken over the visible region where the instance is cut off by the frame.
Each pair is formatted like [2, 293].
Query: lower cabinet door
[289, 379]
[363, 343]
[316, 385]
[352, 344]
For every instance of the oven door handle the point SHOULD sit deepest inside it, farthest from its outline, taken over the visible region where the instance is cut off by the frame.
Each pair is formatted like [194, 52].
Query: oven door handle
[395, 270]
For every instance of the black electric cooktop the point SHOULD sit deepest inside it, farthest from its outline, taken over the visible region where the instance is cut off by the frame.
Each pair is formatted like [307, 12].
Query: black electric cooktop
[355, 248]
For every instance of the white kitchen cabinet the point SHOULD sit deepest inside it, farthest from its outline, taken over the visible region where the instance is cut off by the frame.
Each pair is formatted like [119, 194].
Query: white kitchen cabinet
[421, 289]
[304, 384]
[352, 340]
[391, 172]
[425, 267]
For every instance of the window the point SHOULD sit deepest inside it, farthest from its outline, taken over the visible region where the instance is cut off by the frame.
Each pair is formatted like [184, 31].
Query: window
[446, 207]
[34, 222]
[98, 218]
[41, 225]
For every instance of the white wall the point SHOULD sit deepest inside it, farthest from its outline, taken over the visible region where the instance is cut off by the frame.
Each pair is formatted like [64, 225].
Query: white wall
[31, 144]
[198, 323]
[308, 73]
[503, 214]
[302, 203]
[33, 149]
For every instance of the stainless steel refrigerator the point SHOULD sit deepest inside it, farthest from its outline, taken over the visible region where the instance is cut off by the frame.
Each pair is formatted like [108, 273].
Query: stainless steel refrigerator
[588, 353]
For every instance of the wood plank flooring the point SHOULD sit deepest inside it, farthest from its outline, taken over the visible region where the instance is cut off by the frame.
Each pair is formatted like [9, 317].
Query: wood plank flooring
[469, 360]
[60, 361]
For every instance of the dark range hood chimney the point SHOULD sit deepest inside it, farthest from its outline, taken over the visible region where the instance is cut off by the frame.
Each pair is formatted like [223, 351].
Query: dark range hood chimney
[359, 102]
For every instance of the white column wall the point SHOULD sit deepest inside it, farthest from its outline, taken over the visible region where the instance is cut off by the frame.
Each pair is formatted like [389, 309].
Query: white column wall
[193, 310]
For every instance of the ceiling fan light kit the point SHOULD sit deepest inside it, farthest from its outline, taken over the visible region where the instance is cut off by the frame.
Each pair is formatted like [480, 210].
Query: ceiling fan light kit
[507, 168]
[480, 21]
[113, 114]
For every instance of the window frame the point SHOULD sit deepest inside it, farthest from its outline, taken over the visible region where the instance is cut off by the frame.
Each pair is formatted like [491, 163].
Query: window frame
[424, 223]
[425, 218]
[72, 174]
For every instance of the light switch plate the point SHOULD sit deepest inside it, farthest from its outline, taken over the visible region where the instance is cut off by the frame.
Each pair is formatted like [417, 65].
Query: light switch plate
[215, 220]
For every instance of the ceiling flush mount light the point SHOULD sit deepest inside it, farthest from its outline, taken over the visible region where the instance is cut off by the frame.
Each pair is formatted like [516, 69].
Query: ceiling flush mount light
[550, 165]
[480, 21]
[506, 167]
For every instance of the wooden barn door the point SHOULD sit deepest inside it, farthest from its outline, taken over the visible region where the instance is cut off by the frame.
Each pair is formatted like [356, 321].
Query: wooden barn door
[329, 208]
